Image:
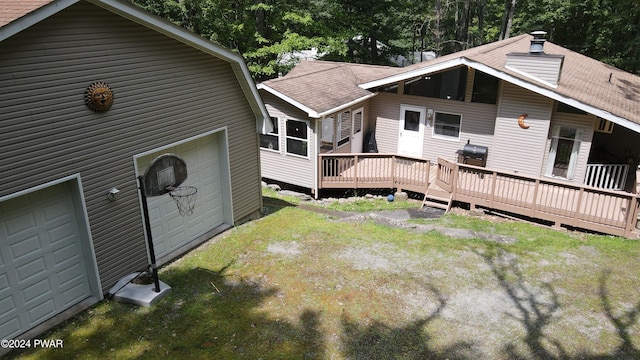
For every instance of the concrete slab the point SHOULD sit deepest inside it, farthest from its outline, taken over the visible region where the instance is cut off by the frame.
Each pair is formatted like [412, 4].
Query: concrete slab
[145, 295]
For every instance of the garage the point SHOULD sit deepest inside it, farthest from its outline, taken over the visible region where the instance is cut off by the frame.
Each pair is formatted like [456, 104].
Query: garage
[206, 167]
[46, 259]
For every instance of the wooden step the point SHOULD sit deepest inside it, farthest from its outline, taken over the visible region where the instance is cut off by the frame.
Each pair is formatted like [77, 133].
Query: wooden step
[435, 204]
[437, 199]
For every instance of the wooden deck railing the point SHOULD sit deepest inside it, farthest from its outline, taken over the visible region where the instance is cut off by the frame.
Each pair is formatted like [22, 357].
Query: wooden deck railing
[606, 176]
[607, 211]
[370, 170]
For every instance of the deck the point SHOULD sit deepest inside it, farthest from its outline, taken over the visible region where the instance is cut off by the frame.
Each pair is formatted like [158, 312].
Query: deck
[561, 203]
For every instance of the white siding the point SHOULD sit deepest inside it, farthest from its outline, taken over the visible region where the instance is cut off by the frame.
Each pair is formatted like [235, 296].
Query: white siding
[278, 165]
[477, 124]
[545, 68]
[515, 149]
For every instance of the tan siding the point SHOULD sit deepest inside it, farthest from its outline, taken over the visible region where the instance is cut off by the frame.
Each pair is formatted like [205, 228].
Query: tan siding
[515, 149]
[477, 124]
[164, 92]
[385, 109]
[278, 165]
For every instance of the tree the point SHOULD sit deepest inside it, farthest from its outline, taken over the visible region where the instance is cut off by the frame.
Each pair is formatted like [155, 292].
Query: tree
[607, 30]
[372, 31]
[507, 22]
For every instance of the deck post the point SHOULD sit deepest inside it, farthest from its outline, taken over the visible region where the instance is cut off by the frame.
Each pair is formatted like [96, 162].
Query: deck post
[454, 180]
[393, 171]
[355, 172]
[426, 187]
[535, 197]
[577, 209]
[494, 180]
[320, 171]
[632, 216]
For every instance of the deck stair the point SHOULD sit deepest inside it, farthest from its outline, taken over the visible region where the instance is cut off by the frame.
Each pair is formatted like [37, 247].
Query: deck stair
[437, 198]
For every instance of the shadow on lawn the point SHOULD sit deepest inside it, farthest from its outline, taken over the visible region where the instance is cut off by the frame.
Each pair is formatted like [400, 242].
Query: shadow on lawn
[380, 341]
[536, 309]
[272, 205]
[207, 315]
[215, 315]
[225, 322]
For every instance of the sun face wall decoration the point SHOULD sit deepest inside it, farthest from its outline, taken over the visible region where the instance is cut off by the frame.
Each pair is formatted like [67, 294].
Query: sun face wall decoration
[98, 97]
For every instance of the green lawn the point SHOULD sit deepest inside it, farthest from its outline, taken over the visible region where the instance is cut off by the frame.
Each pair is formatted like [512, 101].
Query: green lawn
[299, 285]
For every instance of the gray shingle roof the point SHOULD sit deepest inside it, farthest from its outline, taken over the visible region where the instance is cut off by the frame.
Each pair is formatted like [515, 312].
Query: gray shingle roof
[11, 10]
[322, 85]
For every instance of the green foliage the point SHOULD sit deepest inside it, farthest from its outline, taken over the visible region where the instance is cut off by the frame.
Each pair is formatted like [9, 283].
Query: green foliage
[372, 31]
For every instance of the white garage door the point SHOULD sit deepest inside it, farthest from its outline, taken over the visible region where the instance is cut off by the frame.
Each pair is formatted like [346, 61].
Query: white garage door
[43, 270]
[170, 230]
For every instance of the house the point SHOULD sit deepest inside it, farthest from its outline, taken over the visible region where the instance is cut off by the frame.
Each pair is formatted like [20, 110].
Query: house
[522, 126]
[531, 108]
[90, 93]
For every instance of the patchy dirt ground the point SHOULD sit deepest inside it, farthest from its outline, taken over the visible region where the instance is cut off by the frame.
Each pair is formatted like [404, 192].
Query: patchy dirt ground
[485, 304]
[311, 283]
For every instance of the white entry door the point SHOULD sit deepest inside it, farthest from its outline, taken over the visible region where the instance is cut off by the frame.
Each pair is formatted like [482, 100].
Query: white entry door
[356, 131]
[411, 130]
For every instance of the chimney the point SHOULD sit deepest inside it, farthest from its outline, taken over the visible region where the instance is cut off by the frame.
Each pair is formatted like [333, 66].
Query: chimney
[537, 43]
[535, 64]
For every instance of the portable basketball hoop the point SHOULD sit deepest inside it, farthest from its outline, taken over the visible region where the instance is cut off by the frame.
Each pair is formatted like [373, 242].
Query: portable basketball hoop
[185, 198]
[164, 175]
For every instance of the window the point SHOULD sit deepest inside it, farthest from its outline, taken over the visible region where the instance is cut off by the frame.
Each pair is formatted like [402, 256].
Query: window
[271, 140]
[297, 138]
[344, 128]
[326, 134]
[447, 126]
[412, 120]
[445, 85]
[563, 153]
[485, 88]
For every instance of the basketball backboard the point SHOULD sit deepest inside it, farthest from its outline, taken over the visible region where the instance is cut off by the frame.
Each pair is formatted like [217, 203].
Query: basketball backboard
[165, 173]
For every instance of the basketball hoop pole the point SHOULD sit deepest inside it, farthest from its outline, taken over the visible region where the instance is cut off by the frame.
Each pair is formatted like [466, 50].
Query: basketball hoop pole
[147, 226]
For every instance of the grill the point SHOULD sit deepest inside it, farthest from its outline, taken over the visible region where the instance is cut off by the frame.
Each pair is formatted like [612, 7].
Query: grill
[473, 155]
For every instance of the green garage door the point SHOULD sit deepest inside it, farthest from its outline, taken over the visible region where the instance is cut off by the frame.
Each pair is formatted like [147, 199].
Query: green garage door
[43, 270]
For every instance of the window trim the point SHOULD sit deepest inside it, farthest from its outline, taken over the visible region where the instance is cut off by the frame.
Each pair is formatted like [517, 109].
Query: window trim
[276, 127]
[339, 131]
[287, 137]
[553, 152]
[445, 137]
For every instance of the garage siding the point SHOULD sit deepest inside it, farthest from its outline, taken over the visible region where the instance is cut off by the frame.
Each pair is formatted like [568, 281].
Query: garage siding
[164, 91]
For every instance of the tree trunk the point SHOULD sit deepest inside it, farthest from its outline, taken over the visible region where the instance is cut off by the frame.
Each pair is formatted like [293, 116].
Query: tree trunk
[464, 22]
[437, 31]
[509, 18]
[260, 18]
[480, 39]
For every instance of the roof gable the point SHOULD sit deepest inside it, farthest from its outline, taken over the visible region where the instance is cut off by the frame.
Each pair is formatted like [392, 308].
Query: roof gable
[25, 13]
[584, 83]
[322, 87]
